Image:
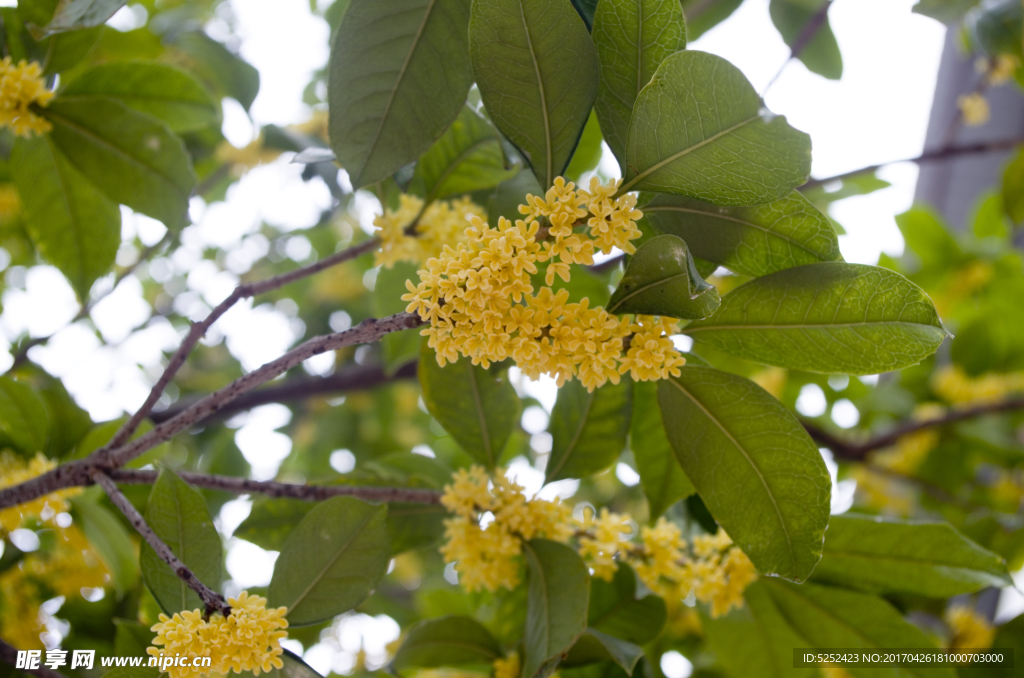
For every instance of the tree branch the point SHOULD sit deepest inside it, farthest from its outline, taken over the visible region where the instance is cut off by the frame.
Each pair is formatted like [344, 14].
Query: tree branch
[213, 601]
[928, 156]
[107, 458]
[9, 654]
[197, 330]
[350, 378]
[853, 451]
[289, 490]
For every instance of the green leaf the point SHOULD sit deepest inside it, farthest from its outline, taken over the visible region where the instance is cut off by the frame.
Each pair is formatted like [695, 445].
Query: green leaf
[829, 617]
[1013, 189]
[946, 11]
[293, 667]
[332, 560]
[830, 317]
[633, 37]
[733, 439]
[750, 240]
[131, 638]
[72, 15]
[588, 429]
[537, 71]
[272, 520]
[413, 526]
[68, 422]
[222, 70]
[614, 609]
[874, 555]
[699, 129]
[587, 155]
[23, 417]
[661, 477]
[398, 77]
[924, 232]
[594, 647]
[702, 16]
[990, 217]
[556, 610]
[133, 158]
[448, 641]
[821, 54]
[398, 348]
[467, 158]
[662, 279]
[110, 539]
[72, 225]
[178, 514]
[167, 93]
[477, 407]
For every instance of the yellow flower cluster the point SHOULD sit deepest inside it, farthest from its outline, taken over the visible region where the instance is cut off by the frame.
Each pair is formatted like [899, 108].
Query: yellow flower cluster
[910, 450]
[882, 492]
[968, 629]
[441, 223]
[957, 387]
[1000, 70]
[488, 557]
[974, 108]
[507, 667]
[21, 87]
[248, 639]
[479, 298]
[15, 470]
[10, 203]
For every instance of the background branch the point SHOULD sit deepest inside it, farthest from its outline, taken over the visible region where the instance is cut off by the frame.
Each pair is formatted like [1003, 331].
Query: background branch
[9, 654]
[213, 601]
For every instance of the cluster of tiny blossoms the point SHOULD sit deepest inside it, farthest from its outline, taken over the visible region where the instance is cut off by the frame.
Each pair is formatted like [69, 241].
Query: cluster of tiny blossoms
[488, 557]
[955, 386]
[21, 86]
[481, 303]
[15, 470]
[248, 639]
[441, 223]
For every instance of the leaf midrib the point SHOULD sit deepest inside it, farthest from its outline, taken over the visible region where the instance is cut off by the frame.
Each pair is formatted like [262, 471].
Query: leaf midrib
[732, 439]
[454, 164]
[650, 286]
[576, 436]
[548, 151]
[686, 151]
[899, 559]
[481, 417]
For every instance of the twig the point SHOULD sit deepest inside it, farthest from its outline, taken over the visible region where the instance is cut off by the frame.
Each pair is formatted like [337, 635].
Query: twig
[197, 330]
[854, 451]
[290, 490]
[9, 654]
[814, 24]
[107, 458]
[928, 156]
[213, 601]
[352, 378]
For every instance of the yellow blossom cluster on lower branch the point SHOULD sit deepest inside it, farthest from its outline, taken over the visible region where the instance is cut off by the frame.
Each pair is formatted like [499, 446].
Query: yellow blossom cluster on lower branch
[488, 557]
[480, 300]
[21, 87]
[248, 639]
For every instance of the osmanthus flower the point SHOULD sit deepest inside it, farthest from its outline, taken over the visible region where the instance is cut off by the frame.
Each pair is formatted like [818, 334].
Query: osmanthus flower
[507, 667]
[248, 639]
[15, 470]
[21, 87]
[968, 629]
[441, 223]
[481, 303]
[974, 108]
[955, 386]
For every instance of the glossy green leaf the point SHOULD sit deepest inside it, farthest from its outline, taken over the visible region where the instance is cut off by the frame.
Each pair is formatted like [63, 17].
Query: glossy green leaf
[68, 422]
[271, 520]
[72, 225]
[830, 617]
[294, 667]
[995, 27]
[830, 317]
[475, 406]
[178, 514]
[595, 647]
[699, 129]
[331, 561]
[223, 71]
[587, 155]
[398, 77]
[734, 440]
[633, 37]
[661, 476]
[23, 417]
[537, 71]
[889, 557]
[413, 526]
[588, 429]
[467, 158]
[750, 240]
[448, 641]
[662, 279]
[398, 348]
[133, 158]
[821, 54]
[702, 16]
[1013, 189]
[167, 93]
[615, 609]
[108, 536]
[556, 611]
[72, 15]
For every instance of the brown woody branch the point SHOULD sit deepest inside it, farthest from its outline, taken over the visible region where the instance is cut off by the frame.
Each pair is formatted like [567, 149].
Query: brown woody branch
[285, 490]
[213, 601]
[9, 654]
